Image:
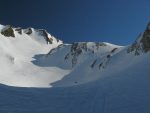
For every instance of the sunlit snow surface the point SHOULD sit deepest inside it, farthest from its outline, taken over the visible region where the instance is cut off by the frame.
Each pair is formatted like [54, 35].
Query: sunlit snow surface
[16, 67]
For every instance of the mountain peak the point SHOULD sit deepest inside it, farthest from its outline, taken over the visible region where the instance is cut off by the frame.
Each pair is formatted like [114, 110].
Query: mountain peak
[148, 26]
[146, 39]
[37, 34]
[142, 44]
[7, 31]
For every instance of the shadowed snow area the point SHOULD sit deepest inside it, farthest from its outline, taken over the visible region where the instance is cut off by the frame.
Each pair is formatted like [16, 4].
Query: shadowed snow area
[40, 74]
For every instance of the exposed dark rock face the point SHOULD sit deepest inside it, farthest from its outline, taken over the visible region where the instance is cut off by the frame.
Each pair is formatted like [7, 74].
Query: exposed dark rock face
[105, 61]
[52, 51]
[50, 40]
[82, 47]
[112, 51]
[19, 30]
[76, 48]
[75, 51]
[101, 62]
[142, 44]
[100, 44]
[93, 64]
[55, 49]
[146, 39]
[28, 31]
[57, 40]
[8, 31]
[137, 46]
[108, 56]
[44, 33]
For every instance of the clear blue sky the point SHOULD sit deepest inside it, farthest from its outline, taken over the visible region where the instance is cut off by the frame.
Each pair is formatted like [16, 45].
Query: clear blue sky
[115, 21]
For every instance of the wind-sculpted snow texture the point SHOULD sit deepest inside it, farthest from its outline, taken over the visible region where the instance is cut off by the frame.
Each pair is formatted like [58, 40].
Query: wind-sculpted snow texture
[41, 74]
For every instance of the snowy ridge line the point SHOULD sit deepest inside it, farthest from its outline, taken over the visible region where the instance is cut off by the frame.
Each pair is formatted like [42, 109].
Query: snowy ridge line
[34, 51]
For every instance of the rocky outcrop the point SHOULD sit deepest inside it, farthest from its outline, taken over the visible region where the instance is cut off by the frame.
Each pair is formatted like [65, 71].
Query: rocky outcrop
[113, 50]
[44, 33]
[93, 64]
[75, 51]
[135, 48]
[80, 48]
[8, 31]
[55, 49]
[28, 31]
[41, 32]
[142, 44]
[19, 30]
[146, 39]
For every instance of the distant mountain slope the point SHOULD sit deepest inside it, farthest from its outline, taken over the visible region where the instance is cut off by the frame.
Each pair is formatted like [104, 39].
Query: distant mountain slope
[18, 48]
[81, 59]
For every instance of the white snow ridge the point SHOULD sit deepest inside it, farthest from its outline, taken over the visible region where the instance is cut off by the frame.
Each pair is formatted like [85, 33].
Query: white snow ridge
[41, 74]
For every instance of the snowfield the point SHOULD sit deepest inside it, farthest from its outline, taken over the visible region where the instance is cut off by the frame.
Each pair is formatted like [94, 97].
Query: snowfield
[41, 74]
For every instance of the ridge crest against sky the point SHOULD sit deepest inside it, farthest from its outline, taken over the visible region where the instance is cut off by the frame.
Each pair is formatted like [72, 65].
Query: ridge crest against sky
[117, 21]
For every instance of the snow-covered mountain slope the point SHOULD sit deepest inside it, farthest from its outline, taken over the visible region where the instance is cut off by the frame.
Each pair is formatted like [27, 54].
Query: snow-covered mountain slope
[37, 59]
[84, 77]
[81, 59]
[17, 49]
